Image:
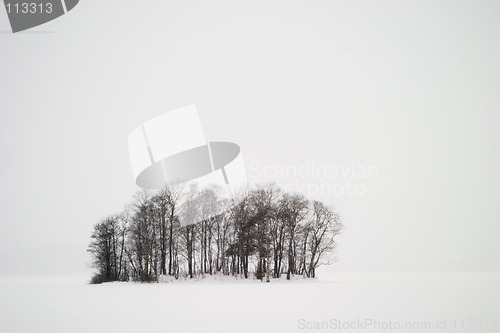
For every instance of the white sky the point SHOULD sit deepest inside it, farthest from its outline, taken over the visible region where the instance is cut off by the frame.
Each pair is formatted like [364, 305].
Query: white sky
[410, 87]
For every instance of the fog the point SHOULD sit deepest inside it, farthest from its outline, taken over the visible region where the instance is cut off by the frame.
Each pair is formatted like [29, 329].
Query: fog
[408, 90]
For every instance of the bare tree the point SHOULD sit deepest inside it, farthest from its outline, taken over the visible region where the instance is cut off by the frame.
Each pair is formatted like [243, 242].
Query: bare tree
[324, 226]
[142, 237]
[293, 210]
[107, 248]
[190, 214]
[262, 207]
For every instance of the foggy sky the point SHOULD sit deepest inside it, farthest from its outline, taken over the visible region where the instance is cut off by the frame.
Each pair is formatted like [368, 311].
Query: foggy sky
[409, 87]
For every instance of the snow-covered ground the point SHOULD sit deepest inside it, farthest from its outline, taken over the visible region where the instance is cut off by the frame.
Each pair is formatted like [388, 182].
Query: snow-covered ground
[336, 303]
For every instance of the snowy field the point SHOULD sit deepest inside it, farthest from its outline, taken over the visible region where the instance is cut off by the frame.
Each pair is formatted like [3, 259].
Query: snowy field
[337, 303]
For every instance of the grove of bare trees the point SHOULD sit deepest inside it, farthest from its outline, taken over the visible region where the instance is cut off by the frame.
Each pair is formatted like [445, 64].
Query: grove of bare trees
[263, 233]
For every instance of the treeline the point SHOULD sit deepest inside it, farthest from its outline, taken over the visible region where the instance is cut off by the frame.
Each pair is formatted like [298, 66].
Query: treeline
[264, 232]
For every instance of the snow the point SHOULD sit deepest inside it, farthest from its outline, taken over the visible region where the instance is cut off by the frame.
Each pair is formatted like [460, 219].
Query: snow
[216, 304]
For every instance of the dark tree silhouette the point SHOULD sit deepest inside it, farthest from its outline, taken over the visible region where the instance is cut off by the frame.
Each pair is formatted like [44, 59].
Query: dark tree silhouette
[262, 233]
